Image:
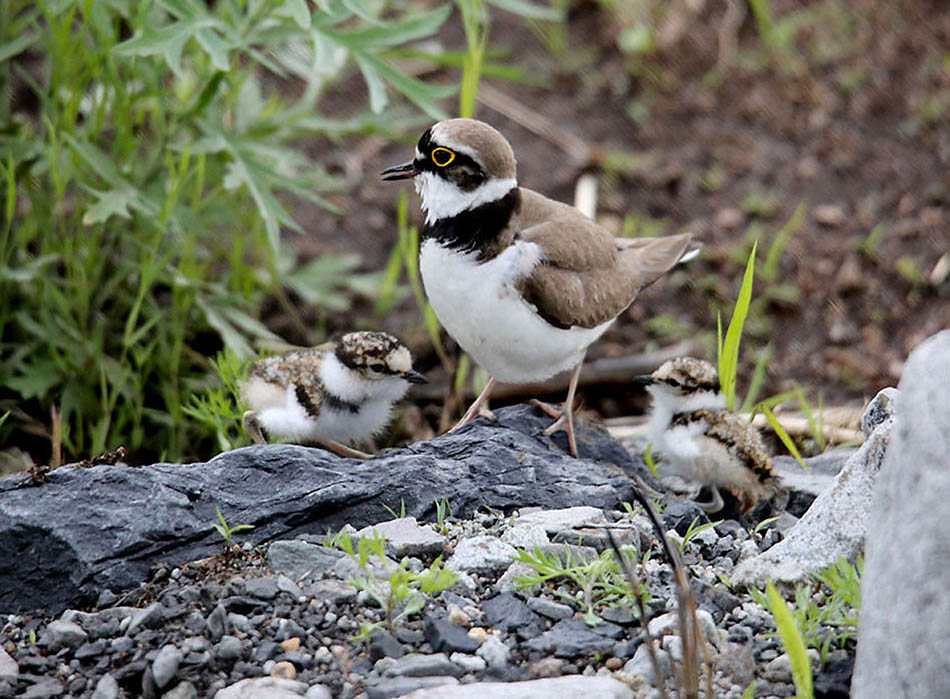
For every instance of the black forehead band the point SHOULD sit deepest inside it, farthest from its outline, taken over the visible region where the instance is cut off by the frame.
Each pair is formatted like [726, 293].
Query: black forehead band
[426, 147]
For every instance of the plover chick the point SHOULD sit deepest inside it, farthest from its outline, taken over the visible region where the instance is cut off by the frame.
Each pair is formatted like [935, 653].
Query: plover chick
[337, 392]
[523, 283]
[697, 438]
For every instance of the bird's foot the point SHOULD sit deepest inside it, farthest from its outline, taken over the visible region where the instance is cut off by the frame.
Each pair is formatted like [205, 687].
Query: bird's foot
[472, 415]
[343, 450]
[563, 421]
[714, 505]
[253, 427]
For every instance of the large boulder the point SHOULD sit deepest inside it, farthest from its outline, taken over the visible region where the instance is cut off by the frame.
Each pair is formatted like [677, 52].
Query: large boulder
[836, 523]
[905, 610]
[87, 529]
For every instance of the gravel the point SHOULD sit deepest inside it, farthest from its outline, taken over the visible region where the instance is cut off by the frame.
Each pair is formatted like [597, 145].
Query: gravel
[285, 620]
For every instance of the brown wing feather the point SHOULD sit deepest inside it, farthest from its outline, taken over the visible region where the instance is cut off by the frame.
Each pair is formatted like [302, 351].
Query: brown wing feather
[587, 280]
[300, 368]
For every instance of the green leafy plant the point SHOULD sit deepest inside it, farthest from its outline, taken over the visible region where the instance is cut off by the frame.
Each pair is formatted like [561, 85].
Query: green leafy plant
[143, 199]
[221, 526]
[600, 582]
[402, 592]
[826, 610]
[694, 529]
[219, 407]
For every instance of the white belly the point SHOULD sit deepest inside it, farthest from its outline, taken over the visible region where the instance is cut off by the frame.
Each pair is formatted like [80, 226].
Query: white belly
[290, 421]
[479, 307]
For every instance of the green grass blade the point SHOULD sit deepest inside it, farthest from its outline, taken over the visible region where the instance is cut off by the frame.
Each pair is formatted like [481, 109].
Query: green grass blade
[792, 640]
[729, 353]
[783, 436]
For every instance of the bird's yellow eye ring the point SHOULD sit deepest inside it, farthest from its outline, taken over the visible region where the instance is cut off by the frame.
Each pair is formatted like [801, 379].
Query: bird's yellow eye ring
[442, 156]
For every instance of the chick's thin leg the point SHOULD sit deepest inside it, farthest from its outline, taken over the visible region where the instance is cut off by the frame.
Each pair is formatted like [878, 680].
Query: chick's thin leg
[253, 427]
[343, 450]
[564, 418]
[475, 409]
[714, 505]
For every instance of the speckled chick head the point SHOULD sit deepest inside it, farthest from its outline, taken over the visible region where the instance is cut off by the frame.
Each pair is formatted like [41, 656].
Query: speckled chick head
[373, 354]
[685, 375]
[472, 140]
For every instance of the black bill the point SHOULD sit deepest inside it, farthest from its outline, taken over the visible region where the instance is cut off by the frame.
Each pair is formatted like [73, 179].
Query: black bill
[413, 376]
[405, 171]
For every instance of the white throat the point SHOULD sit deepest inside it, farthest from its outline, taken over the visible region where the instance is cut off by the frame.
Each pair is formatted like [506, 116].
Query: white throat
[443, 199]
[352, 387]
[666, 405]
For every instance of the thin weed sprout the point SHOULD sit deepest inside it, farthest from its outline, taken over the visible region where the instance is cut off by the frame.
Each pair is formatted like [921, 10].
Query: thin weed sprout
[826, 610]
[695, 529]
[600, 582]
[398, 591]
[226, 531]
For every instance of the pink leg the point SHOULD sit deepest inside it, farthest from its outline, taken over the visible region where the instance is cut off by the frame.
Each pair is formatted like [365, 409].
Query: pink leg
[475, 409]
[565, 417]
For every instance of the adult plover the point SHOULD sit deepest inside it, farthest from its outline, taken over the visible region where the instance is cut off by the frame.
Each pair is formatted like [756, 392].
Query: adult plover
[337, 392]
[697, 438]
[523, 283]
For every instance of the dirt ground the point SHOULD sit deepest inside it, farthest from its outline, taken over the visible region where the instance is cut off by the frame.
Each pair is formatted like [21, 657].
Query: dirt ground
[715, 134]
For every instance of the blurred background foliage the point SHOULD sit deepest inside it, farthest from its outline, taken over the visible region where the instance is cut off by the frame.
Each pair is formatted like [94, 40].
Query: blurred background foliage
[186, 183]
[149, 153]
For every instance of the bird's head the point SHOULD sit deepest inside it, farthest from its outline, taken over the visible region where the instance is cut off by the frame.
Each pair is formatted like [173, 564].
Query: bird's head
[377, 357]
[685, 381]
[459, 164]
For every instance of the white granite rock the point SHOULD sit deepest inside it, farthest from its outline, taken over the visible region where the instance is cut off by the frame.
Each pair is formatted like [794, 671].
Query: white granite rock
[905, 611]
[572, 686]
[836, 523]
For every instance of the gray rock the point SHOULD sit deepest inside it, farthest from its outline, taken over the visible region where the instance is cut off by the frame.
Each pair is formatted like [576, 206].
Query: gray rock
[217, 623]
[64, 634]
[106, 688]
[228, 648]
[905, 607]
[779, 669]
[424, 666]
[285, 584]
[572, 638]
[565, 519]
[102, 541]
[641, 664]
[182, 690]
[402, 686]
[833, 527]
[879, 409]
[508, 613]
[406, 537]
[572, 686]
[668, 624]
[443, 635]
[680, 514]
[318, 691]
[332, 591]
[550, 608]
[8, 666]
[263, 688]
[45, 688]
[468, 663]
[149, 617]
[526, 536]
[262, 588]
[820, 475]
[165, 666]
[481, 554]
[300, 560]
[494, 653]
